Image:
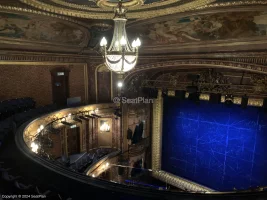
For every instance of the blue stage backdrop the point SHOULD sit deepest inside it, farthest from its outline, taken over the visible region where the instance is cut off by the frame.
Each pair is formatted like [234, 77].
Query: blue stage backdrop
[214, 145]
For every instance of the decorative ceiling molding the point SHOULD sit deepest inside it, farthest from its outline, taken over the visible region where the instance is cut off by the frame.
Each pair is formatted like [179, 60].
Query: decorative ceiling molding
[108, 4]
[180, 64]
[137, 3]
[233, 3]
[208, 81]
[133, 14]
[19, 10]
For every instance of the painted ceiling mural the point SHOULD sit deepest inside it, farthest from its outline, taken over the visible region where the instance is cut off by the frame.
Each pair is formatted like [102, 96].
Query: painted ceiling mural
[221, 26]
[42, 29]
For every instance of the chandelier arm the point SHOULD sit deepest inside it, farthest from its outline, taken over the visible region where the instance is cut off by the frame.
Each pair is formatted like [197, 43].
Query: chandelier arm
[105, 51]
[123, 58]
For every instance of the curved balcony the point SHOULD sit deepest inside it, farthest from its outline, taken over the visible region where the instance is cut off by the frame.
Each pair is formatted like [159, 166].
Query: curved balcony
[79, 185]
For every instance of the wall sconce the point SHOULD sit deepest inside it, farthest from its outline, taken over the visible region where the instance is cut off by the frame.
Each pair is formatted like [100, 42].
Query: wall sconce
[104, 126]
[96, 110]
[63, 119]
[73, 126]
[69, 116]
[34, 147]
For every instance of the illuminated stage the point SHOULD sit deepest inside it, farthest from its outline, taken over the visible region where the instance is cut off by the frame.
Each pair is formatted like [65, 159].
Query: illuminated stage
[209, 147]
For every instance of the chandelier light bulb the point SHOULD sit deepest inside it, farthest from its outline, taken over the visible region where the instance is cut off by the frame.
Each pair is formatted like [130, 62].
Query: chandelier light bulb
[120, 84]
[134, 44]
[117, 43]
[123, 41]
[138, 42]
[103, 42]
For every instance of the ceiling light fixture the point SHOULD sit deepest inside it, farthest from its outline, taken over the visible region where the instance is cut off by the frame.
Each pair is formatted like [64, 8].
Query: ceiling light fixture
[120, 57]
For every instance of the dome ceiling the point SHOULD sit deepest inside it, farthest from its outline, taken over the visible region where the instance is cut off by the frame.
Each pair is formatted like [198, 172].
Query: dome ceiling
[137, 9]
[163, 26]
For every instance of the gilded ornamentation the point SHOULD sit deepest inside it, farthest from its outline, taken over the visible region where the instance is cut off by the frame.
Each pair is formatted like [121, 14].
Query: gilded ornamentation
[110, 4]
[171, 93]
[27, 10]
[174, 8]
[237, 100]
[260, 82]
[157, 131]
[31, 130]
[255, 102]
[234, 3]
[213, 82]
[201, 63]
[205, 97]
[138, 6]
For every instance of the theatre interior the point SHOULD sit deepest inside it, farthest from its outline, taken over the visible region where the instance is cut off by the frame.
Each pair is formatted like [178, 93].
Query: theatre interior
[133, 99]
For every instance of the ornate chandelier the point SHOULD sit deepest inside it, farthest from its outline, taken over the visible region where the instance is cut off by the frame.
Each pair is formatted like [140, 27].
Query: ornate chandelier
[120, 57]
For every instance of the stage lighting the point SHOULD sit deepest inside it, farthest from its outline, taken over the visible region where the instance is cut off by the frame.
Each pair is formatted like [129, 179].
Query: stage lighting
[244, 102]
[229, 99]
[215, 98]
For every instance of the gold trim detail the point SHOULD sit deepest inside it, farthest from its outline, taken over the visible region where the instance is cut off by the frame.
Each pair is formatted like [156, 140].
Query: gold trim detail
[157, 131]
[107, 4]
[142, 6]
[171, 93]
[255, 102]
[237, 100]
[31, 11]
[235, 3]
[109, 15]
[200, 63]
[204, 97]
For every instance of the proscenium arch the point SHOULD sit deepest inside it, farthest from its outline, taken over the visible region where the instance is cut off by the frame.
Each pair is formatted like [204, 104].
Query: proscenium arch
[191, 64]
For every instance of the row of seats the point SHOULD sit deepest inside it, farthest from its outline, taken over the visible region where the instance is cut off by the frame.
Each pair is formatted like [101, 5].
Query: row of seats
[13, 106]
[12, 123]
[90, 158]
[13, 185]
[102, 152]
[83, 163]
